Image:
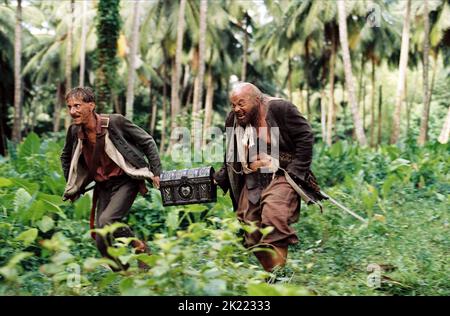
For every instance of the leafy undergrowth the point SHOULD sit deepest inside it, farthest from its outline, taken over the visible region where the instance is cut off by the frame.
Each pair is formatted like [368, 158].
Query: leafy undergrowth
[46, 249]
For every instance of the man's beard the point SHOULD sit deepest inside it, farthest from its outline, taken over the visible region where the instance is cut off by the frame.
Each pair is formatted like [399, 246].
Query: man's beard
[250, 117]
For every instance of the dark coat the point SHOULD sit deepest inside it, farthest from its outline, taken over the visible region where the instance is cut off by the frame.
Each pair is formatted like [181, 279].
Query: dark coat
[296, 139]
[130, 140]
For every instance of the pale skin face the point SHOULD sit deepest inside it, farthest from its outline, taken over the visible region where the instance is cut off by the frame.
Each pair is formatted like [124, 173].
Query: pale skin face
[81, 112]
[245, 106]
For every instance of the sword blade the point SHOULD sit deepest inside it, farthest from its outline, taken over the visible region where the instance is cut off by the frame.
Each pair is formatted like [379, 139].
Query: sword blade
[345, 208]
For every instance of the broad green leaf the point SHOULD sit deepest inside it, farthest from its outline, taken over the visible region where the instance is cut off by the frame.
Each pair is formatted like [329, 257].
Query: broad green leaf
[9, 271]
[92, 263]
[36, 211]
[110, 278]
[30, 146]
[62, 257]
[83, 207]
[126, 285]
[58, 242]
[46, 224]
[19, 257]
[195, 208]
[50, 198]
[116, 252]
[336, 150]
[22, 200]
[250, 228]
[388, 184]
[172, 220]
[266, 230]
[4, 182]
[28, 236]
[30, 187]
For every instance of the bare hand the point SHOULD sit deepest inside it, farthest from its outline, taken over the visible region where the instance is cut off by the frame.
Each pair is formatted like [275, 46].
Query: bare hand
[255, 165]
[156, 182]
[72, 197]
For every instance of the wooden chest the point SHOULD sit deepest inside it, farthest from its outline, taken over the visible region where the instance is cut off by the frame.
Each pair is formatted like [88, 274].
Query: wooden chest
[188, 186]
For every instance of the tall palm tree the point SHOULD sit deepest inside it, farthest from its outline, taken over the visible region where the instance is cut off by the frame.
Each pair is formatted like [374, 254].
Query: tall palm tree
[132, 61]
[438, 18]
[198, 90]
[359, 131]
[176, 71]
[208, 102]
[332, 105]
[108, 28]
[197, 130]
[68, 68]
[84, 29]
[426, 55]
[16, 132]
[402, 75]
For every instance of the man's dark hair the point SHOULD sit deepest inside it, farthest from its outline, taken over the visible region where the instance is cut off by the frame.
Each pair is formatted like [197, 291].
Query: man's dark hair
[84, 94]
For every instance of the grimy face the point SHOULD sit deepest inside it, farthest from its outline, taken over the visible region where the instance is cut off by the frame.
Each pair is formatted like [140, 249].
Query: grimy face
[245, 107]
[80, 111]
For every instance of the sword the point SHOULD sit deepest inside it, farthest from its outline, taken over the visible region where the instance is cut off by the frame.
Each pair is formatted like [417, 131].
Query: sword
[306, 198]
[342, 207]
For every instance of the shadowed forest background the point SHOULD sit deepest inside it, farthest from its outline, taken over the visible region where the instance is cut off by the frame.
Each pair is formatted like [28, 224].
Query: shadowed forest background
[372, 78]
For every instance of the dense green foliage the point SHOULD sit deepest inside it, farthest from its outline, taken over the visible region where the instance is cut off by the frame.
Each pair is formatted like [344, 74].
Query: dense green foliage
[108, 29]
[197, 249]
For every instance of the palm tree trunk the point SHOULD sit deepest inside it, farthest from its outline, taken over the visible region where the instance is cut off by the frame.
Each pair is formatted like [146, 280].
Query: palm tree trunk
[360, 83]
[380, 113]
[154, 107]
[164, 107]
[57, 108]
[176, 71]
[198, 91]
[83, 43]
[189, 96]
[302, 101]
[332, 106]
[433, 77]
[360, 135]
[244, 50]
[308, 101]
[186, 75]
[423, 135]
[68, 69]
[16, 132]
[364, 105]
[323, 115]
[208, 104]
[372, 106]
[445, 132]
[289, 78]
[402, 75]
[308, 107]
[132, 62]
[408, 104]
